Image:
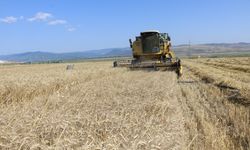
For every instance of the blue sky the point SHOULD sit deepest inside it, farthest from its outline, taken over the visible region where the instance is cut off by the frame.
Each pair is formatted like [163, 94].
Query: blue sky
[79, 25]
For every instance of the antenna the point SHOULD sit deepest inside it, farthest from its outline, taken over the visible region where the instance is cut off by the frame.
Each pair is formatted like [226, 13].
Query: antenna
[189, 45]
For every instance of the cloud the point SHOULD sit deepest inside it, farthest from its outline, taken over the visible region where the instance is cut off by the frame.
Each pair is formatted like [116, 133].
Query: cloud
[71, 29]
[41, 16]
[21, 17]
[9, 20]
[57, 22]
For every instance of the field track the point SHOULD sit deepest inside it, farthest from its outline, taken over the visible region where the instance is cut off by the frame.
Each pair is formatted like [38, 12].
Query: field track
[96, 106]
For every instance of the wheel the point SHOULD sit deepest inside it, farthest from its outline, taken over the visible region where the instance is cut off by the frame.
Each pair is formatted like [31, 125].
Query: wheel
[179, 69]
[163, 59]
[134, 61]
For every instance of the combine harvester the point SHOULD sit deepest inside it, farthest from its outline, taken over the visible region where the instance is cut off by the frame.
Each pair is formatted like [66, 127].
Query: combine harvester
[152, 50]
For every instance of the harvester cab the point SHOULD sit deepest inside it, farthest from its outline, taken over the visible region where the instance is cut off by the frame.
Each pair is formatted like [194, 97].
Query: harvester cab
[152, 50]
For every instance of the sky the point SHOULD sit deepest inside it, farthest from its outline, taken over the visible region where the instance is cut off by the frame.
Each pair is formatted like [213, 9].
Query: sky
[79, 25]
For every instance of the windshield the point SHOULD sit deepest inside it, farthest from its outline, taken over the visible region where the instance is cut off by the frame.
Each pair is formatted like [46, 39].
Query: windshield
[150, 43]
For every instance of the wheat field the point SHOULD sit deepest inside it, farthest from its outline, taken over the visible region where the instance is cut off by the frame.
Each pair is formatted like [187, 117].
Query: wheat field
[95, 106]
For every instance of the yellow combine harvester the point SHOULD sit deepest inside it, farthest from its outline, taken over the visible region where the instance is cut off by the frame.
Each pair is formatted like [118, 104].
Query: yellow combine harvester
[152, 50]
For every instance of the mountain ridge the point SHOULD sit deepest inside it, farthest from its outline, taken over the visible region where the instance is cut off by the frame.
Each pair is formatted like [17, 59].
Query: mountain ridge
[180, 50]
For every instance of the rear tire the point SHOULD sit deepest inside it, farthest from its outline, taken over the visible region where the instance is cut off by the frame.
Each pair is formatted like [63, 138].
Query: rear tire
[179, 68]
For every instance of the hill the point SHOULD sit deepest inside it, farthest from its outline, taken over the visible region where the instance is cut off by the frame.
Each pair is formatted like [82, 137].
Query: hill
[39, 56]
[212, 49]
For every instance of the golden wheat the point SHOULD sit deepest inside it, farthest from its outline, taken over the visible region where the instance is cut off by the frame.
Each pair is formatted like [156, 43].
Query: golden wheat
[95, 106]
